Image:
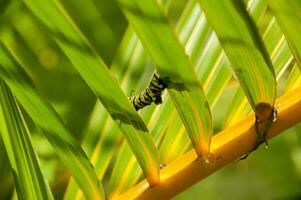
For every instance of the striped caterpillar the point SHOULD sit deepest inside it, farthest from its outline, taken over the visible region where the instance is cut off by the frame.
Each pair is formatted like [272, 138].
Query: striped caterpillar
[151, 94]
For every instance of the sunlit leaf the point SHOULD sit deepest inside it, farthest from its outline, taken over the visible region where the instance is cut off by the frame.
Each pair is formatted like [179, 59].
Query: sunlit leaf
[281, 58]
[192, 30]
[244, 48]
[294, 79]
[26, 170]
[128, 69]
[94, 71]
[288, 16]
[159, 39]
[47, 119]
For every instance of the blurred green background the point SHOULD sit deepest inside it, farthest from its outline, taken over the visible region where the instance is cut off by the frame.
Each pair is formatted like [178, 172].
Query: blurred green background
[274, 173]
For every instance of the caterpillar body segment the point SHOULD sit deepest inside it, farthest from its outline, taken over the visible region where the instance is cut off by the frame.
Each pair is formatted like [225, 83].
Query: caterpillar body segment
[151, 94]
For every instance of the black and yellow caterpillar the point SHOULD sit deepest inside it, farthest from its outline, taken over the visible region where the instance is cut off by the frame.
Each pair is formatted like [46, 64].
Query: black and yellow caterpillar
[151, 94]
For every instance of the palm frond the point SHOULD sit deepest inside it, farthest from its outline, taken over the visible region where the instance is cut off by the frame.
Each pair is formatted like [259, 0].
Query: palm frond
[74, 68]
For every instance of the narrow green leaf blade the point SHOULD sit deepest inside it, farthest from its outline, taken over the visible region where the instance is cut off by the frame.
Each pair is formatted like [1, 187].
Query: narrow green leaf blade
[161, 42]
[288, 16]
[213, 69]
[130, 60]
[193, 33]
[45, 117]
[294, 79]
[281, 58]
[94, 71]
[26, 170]
[244, 48]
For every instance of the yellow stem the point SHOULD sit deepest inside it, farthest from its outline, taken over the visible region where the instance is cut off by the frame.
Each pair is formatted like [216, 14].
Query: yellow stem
[227, 146]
